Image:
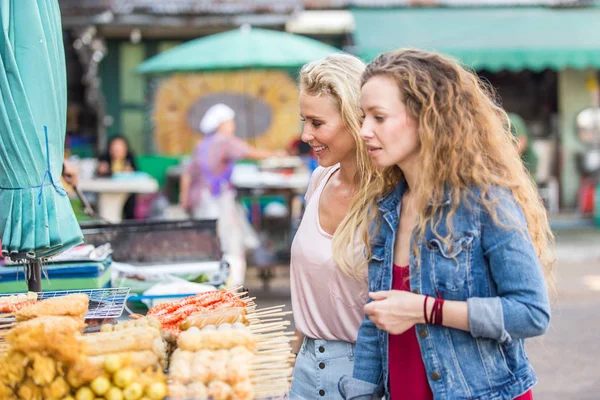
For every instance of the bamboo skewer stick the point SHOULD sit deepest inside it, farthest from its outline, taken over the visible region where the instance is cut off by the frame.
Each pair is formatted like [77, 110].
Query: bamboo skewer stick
[279, 365]
[276, 334]
[268, 358]
[267, 314]
[270, 389]
[274, 351]
[271, 308]
[260, 326]
[272, 375]
[279, 314]
[270, 367]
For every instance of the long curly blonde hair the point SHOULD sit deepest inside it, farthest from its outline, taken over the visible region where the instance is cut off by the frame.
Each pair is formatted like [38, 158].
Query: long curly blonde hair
[338, 76]
[466, 143]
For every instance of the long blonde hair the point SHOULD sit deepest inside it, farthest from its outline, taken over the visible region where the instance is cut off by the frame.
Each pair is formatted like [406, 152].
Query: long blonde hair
[338, 76]
[466, 143]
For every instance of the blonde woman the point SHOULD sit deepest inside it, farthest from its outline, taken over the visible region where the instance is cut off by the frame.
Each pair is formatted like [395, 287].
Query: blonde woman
[459, 242]
[328, 303]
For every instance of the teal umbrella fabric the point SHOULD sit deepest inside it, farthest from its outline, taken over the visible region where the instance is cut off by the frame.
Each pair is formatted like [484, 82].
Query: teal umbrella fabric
[36, 218]
[239, 49]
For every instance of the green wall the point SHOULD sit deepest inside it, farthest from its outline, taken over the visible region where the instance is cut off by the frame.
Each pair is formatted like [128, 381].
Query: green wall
[126, 92]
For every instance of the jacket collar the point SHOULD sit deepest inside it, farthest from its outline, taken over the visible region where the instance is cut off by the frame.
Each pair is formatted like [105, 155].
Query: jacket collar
[389, 201]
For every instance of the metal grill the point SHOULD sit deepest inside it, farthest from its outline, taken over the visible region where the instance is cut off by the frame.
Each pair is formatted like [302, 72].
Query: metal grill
[104, 303]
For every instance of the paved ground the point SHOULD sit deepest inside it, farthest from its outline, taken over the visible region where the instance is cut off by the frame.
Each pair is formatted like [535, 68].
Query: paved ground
[567, 358]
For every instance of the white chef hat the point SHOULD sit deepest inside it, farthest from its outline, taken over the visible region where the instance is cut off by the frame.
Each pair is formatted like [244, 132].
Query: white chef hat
[214, 117]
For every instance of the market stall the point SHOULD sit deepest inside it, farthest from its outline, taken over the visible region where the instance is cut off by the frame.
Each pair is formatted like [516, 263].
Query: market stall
[215, 345]
[74, 343]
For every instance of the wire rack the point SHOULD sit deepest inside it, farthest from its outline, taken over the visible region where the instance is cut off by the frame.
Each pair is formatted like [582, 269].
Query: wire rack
[104, 303]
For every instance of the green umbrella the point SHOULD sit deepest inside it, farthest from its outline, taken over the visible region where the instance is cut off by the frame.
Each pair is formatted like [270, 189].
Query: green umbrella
[239, 49]
[36, 218]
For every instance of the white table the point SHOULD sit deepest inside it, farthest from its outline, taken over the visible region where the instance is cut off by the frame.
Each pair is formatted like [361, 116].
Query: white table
[113, 193]
[248, 176]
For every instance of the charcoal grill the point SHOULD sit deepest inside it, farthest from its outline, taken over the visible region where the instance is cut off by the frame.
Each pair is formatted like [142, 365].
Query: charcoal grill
[153, 244]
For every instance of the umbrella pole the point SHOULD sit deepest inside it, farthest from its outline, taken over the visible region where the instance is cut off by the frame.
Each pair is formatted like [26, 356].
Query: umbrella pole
[34, 279]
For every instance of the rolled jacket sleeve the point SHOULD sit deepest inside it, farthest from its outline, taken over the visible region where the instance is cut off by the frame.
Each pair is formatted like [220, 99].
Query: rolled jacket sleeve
[368, 368]
[355, 389]
[521, 308]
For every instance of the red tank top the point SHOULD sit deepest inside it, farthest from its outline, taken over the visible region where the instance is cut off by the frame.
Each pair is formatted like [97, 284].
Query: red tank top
[408, 378]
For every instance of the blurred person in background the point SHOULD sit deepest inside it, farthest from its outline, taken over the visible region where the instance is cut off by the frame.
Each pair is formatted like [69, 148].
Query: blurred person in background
[70, 174]
[206, 191]
[519, 129]
[119, 159]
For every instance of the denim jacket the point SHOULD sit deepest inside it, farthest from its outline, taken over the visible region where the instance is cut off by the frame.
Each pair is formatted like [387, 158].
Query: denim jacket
[494, 268]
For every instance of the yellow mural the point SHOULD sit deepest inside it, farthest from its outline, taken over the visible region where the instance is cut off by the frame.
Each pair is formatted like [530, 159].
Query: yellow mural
[267, 102]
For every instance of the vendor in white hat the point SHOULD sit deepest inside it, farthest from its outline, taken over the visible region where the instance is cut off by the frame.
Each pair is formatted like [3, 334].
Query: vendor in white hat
[205, 188]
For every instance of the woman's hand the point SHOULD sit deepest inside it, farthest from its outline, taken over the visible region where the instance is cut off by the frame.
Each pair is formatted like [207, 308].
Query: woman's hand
[395, 311]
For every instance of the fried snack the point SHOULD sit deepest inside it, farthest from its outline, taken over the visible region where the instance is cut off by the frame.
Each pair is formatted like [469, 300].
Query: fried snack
[139, 359]
[159, 347]
[57, 390]
[238, 373]
[72, 305]
[180, 371]
[182, 356]
[218, 370]
[243, 390]
[12, 367]
[6, 392]
[178, 391]
[57, 336]
[194, 340]
[42, 369]
[132, 339]
[218, 317]
[140, 322]
[29, 391]
[14, 302]
[197, 391]
[218, 390]
[200, 371]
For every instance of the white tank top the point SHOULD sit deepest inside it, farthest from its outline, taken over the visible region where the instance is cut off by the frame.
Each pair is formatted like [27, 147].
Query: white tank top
[327, 303]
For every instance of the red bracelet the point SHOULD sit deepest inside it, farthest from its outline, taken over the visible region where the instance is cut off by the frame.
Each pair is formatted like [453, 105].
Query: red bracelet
[437, 311]
[439, 316]
[433, 315]
[427, 321]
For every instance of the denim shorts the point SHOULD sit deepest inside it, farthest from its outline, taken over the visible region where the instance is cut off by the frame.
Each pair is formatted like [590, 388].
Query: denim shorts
[319, 366]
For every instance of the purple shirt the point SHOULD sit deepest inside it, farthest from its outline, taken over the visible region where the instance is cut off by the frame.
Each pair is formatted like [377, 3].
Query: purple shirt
[216, 157]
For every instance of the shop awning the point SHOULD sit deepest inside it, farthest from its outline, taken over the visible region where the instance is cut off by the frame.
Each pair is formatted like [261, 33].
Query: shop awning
[490, 38]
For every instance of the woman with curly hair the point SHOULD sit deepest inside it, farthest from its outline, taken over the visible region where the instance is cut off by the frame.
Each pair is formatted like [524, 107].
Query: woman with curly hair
[458, 243]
